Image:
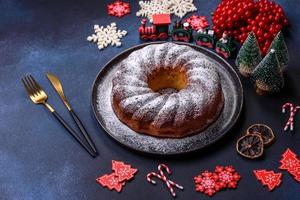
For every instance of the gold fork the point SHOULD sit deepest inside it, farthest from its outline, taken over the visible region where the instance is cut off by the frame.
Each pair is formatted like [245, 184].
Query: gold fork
[39, 96]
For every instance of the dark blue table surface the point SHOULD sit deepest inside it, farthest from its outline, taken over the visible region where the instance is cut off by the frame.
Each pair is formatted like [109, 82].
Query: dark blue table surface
[39, 160]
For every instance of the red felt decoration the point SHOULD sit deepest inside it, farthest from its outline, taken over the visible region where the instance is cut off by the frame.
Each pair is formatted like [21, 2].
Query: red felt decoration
[110, 181]
[197, 22]
[116, 180]
[122, 171]
[118, 8]
[291, 163]
[268, 178]
[207, 183]
[296, 174]
[211, 182]
[228, 177]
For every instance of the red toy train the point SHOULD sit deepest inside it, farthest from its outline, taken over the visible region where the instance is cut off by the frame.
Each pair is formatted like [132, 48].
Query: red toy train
[158, 31]
[184, 32]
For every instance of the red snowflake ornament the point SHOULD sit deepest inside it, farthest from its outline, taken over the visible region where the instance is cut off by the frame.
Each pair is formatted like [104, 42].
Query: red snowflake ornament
[197, 22]
[207, 183]
[118, 8]
[110, 181]
[122, 171]
[228, 177]
[268, 178]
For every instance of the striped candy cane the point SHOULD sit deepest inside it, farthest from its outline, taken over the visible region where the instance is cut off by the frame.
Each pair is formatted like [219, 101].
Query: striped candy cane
[293, 111]
[162, 176]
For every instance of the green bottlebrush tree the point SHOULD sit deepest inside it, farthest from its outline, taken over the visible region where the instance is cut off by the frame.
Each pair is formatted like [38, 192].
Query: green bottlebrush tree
[249, 56]
[278, 44]
[267, 75]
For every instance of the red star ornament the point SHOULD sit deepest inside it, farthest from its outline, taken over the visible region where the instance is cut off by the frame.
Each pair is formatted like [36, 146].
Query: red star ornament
[110, 181]
[122, 171]
[289, 161]
[228, 177]
[118, 8]
[268, 178]
[207, 183]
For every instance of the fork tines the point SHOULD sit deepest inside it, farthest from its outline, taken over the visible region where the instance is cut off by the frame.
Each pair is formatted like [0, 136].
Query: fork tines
[30, 84]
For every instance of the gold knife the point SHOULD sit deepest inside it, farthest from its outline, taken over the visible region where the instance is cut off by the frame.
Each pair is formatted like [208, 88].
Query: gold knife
[58, 88]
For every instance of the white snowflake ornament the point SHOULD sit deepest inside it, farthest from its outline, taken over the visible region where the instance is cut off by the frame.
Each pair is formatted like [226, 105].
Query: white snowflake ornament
[181, 7]
[177, 7]
[110, 35]
[149, 8]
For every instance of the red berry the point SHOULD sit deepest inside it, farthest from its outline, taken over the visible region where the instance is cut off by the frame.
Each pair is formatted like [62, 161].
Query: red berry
[278, 27]
[267, 43]
[259, 32]
[264, 49]
[277, 18]
[243, 30]
[261, 24]
[247, 13]
[266, 35]
[254, 29]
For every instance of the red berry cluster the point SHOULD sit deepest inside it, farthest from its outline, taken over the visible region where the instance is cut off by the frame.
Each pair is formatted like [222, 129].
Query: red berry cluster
[238, 17]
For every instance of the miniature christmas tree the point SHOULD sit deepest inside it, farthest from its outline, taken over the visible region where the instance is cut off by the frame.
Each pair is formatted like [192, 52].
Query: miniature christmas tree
[280, 47]
[267, 75]
[249, 56]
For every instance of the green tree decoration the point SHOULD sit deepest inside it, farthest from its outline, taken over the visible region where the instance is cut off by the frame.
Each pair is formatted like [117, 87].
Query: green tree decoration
[249, 56]
[278, 44]
[267, 75]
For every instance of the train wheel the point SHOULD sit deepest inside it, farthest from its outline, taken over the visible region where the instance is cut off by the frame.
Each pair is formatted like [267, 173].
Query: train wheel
[199, 43]
[144, 37]
[226, 55]
[163, 36]
[185, 39]
[175, 38]
[153, 37]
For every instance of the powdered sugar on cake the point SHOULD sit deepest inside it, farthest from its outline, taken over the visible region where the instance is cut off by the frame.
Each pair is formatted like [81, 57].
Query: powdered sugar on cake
[131, 89]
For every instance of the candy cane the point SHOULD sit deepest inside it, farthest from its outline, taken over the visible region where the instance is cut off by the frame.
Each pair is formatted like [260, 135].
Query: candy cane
[293, 111]
[162, 176]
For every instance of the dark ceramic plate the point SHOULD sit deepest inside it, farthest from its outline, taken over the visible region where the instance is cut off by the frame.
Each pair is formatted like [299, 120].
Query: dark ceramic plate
[101, 91]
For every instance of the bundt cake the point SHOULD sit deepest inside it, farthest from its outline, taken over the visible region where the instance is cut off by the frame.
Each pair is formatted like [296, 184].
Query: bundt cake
[167, 90]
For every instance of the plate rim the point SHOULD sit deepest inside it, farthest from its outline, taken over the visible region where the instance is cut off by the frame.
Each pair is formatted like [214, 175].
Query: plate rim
[138, 46]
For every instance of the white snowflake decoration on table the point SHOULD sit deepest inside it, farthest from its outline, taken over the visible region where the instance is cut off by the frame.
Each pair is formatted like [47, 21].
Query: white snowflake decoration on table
[110, 35]
[149, 8]
[181, 7]
[178, 7]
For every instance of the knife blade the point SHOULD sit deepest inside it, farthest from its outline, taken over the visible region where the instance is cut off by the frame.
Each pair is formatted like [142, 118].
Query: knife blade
[58, 87]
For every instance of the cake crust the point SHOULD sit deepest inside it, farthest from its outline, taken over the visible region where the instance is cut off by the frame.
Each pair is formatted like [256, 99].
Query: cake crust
[139, 102]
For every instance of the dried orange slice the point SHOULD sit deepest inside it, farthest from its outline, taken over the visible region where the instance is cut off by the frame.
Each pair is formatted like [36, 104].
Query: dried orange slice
[264, 131]
[250, 146]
